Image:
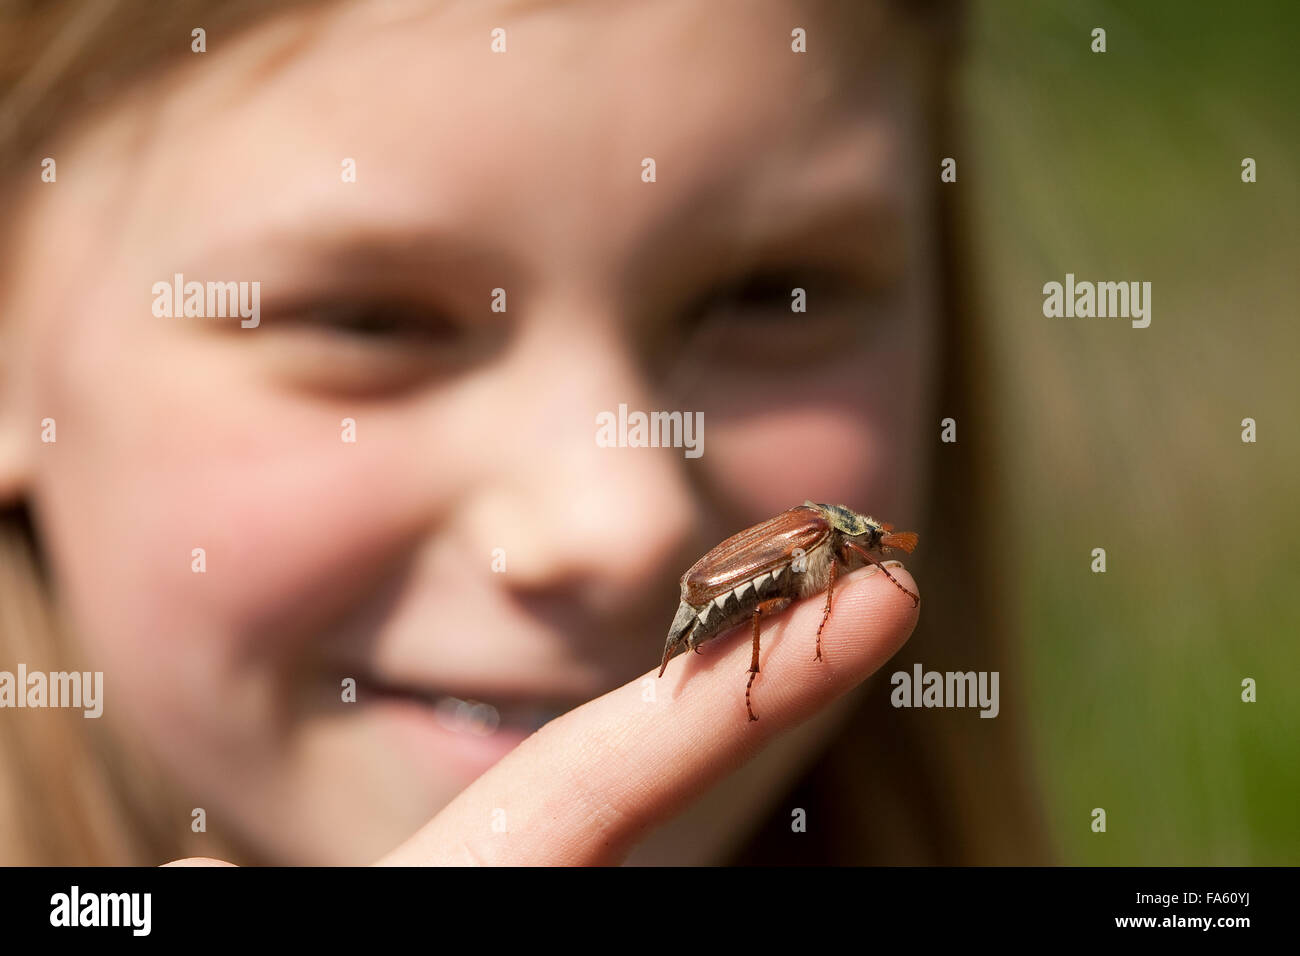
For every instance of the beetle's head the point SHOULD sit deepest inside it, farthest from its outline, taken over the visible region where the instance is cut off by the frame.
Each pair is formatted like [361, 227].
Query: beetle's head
[866, 532]
[848, 522]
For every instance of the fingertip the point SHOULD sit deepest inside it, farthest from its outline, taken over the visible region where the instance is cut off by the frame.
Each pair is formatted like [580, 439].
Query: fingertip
[198, 861]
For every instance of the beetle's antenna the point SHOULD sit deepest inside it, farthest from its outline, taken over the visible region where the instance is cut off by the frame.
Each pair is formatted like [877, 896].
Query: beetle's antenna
[904, 541]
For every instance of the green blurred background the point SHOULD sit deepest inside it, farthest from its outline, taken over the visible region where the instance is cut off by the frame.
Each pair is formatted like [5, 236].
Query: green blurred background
[1127, 166]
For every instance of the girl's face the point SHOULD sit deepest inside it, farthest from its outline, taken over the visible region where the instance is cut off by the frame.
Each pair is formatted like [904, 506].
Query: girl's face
[475, 427]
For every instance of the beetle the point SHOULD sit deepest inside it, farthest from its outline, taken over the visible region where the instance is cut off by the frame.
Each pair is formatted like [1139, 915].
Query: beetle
[763, 569]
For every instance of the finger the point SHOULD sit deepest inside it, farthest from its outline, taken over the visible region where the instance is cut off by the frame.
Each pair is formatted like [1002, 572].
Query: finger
[198, 861]
[589, 785]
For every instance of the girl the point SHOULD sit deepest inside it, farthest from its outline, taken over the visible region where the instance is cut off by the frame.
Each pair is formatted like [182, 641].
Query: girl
[337, 528]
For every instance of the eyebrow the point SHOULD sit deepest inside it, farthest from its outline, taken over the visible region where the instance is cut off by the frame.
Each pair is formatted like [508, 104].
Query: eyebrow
[845, 226]
[368, 252]
[825, 200]
[367, 255]
[846, 230]
[719, 235]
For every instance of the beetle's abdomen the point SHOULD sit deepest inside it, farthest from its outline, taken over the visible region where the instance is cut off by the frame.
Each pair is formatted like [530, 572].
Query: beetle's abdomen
[737, 605]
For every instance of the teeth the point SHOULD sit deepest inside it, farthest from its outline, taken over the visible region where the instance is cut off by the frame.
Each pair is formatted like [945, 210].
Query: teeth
[467, 716]
[481, 719]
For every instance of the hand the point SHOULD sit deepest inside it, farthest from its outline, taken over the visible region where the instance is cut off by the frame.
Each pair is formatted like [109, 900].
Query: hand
[592, 783]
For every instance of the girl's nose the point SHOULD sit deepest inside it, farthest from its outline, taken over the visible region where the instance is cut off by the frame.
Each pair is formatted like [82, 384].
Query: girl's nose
[582, 512]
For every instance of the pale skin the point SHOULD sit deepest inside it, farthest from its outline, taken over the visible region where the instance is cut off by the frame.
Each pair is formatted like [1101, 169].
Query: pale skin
[475, 429]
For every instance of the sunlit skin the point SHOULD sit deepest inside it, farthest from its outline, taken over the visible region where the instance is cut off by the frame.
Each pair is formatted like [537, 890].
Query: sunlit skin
[475, 429]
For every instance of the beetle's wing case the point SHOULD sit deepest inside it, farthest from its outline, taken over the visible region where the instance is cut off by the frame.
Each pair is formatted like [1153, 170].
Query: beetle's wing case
[753, 551]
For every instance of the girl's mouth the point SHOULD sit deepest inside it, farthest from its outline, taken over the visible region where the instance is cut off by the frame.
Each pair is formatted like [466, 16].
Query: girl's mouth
[473, 716]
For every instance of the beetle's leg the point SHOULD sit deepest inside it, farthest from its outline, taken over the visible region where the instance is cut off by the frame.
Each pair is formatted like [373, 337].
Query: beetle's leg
[916, 598]
[826, 617]
[753, 665]
[772, 606]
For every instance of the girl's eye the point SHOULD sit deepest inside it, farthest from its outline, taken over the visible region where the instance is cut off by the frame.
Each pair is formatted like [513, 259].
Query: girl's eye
[770, 297]
[760, 295]
[380, 323]
[762, 319]
[372, 347]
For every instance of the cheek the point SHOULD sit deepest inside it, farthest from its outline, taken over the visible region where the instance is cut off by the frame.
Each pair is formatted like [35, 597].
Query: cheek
[291, 520]
[774, 461]
[851, 437]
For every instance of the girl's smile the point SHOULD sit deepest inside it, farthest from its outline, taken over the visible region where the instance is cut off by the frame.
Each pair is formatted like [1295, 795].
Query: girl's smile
[415, 551]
